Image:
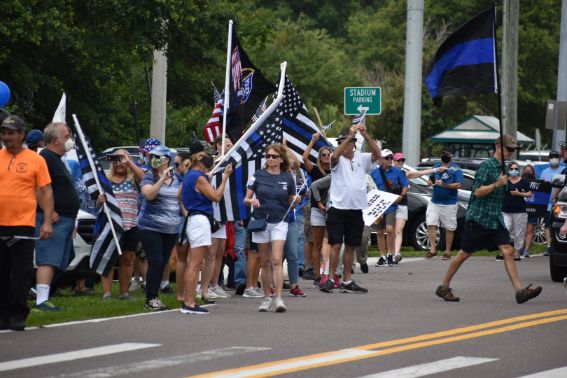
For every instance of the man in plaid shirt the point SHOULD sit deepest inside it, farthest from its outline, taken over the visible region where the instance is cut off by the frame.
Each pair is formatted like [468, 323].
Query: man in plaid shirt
[484, 226]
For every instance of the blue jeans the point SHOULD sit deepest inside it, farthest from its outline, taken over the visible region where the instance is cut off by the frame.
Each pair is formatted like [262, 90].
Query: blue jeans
[55, 251]
[300, 220]
[158, 248]
[290, 252]
[239, 249]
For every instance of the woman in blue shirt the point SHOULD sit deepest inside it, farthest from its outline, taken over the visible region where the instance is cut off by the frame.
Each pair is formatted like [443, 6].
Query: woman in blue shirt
[157, 220]
[198, 196]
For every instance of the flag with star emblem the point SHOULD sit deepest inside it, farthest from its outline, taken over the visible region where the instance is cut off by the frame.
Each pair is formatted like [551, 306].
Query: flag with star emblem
[104, 251]
[288, 120]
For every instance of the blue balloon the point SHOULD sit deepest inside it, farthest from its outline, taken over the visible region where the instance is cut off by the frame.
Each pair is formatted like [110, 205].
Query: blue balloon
[4, 94]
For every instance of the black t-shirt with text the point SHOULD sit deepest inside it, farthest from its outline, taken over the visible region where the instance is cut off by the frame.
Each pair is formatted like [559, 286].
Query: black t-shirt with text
[66, 198]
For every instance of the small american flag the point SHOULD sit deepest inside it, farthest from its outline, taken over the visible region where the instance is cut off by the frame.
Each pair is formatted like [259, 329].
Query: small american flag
[327, 127]
[213, 127]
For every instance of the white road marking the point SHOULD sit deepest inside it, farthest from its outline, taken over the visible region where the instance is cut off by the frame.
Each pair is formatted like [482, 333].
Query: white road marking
[284, 366]
[74, 355]
[432, 367]
[554, 373]
[138, 367]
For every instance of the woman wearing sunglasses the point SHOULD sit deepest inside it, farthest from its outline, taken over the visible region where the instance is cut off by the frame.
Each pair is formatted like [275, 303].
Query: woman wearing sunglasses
[317, 244]
[124, 178]
[514, 208]
[271, 193]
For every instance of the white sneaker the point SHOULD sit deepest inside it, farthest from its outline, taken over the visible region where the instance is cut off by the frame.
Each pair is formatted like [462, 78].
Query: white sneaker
[134, 285]
[258, 290]
[251, 293]
[156, 305]
[266, 305]
[219, 291]
[280, 305]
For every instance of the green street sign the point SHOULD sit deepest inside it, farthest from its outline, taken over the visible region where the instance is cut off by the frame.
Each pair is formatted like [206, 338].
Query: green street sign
[358, 98]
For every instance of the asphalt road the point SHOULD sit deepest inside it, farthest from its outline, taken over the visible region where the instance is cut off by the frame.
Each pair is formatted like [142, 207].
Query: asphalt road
[399, 329]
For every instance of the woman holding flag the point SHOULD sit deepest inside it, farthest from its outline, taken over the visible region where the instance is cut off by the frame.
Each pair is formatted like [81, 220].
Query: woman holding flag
[273, 189]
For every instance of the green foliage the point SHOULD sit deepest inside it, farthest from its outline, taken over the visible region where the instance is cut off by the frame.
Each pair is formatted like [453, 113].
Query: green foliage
[100, 53]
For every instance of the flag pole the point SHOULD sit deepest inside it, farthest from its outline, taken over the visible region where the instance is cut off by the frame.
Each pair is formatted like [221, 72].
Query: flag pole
[264, 115]
[99, 187]
[498, 91]
[226, 84]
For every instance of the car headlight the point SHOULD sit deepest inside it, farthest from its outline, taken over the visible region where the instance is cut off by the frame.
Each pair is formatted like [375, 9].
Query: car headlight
[560, 210]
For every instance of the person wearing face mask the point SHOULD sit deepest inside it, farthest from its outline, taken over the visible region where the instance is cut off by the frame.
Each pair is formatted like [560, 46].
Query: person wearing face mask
[447, 179]
[547, 175]
[157, 220]
[54, 254]
[528, 174]
[514, 208]
[197, 196]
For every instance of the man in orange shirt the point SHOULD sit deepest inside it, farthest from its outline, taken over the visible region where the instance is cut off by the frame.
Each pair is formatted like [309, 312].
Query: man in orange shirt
[22, 174]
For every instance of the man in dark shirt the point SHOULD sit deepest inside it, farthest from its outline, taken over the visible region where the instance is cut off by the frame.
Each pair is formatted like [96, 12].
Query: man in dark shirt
[55, 253]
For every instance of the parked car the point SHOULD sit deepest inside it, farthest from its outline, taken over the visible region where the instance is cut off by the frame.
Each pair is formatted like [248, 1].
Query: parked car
[558, 258]
[415, 232]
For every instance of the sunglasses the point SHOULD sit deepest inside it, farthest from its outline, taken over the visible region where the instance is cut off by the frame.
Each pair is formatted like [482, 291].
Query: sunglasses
[325, 155]
[513, 169]
[510, 149]
[176, 164]
[388, 158]
[401, 160]
[270, 156]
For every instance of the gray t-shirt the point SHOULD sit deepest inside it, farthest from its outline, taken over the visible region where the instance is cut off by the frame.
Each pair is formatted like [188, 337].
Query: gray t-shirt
[272, 191]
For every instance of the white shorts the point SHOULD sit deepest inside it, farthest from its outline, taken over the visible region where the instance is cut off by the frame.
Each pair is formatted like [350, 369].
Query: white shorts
[220, 233]
[442, 215]
[199, 231]
[402, 212]
[273, 231]
[318, 218]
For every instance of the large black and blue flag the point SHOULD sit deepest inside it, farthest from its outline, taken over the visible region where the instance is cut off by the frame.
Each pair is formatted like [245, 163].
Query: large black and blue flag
[465, 62]
[104, 251]
[289, 120]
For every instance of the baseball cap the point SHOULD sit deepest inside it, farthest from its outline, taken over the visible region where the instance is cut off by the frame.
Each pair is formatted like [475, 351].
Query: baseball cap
[196, 147]
[344, 134]
[398, 156]
[13, 123]
[507, 141]
[554, 154]
[446, 153]
[386, 152]
[161, 151]
[34, 137]
[149, 144]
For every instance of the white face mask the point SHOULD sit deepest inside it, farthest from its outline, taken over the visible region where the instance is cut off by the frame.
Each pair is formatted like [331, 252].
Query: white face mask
[69, 145]
[554, 162]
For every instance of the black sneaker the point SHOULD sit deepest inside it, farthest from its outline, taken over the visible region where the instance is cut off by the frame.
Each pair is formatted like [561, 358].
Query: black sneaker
[352, 287]
[309, 275]
[193, 310]
[167, 290]
[381, 261]
[286, 286]
[327, 287]
[524, 295]
[17, 325]
[390, 259]
[301, 272]
[364, 268]
[240, 288]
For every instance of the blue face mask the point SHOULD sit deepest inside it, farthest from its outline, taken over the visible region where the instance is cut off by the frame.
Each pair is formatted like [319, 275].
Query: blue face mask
[514, 173]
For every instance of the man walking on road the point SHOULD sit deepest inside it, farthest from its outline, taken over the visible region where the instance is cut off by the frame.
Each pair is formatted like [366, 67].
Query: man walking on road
[484, 225]
[23, 173]
[347, 198]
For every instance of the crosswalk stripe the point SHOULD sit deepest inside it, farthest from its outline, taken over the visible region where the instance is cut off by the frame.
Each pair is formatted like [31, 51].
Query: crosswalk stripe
[160, 363]
[554, 373]
[440, 366]
[74, 355]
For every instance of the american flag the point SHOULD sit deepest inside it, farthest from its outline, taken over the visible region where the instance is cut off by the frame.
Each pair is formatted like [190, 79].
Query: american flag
[104, 251]
[214, 126]
[290, 119]
[236, 69]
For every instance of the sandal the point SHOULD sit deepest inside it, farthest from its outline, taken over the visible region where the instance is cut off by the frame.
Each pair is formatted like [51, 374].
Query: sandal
[446, 256]
[430, 255]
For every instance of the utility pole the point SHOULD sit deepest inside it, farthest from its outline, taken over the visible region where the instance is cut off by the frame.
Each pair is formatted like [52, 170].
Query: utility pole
[412, 87]
[510, 26]
[159, 95]
[559, 135]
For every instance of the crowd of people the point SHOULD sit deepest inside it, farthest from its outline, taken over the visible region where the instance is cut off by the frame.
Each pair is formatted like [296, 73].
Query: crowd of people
[309, 215]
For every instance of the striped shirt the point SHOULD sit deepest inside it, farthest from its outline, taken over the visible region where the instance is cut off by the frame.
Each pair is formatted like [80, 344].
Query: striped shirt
[487, 210]
[162, 213]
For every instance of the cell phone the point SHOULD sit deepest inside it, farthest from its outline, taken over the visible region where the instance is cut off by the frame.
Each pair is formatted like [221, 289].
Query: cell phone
[112, 158]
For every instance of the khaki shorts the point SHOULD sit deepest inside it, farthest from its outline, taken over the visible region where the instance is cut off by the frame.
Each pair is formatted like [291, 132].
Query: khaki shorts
[442, 216]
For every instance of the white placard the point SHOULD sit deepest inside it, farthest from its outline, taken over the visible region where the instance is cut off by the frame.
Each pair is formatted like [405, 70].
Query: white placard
[378, 202]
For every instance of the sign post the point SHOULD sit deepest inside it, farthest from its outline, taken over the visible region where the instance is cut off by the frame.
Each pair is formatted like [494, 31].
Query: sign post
[358, 98]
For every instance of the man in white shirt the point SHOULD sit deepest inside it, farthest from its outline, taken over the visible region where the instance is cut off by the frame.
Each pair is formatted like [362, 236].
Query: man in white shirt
[347, 199]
